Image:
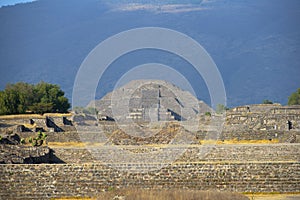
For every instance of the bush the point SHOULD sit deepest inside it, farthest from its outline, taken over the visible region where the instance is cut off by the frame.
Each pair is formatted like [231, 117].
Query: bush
[34, 143]
[22, 141]
[294, 99]
[266, 101]
[38, 140]
[44, 136]
[208, 114]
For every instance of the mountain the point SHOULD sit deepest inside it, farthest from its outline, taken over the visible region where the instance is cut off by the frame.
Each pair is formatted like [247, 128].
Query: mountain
[13, 2]
[255, 44]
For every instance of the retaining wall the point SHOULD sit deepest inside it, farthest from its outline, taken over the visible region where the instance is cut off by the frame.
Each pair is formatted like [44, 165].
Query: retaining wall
[267, 152]
[47, 181]
[54, 136]
[251, 134]
[73, 136]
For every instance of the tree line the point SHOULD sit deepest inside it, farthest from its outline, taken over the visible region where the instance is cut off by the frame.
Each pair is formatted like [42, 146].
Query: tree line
[20, 98]
[294, 99]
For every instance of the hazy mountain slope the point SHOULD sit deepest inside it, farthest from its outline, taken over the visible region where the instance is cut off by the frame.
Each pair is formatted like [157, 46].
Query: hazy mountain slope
[255, 44]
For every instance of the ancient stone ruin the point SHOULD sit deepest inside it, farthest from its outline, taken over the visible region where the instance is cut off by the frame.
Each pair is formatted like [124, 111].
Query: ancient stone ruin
[150, 100]
[153, 136]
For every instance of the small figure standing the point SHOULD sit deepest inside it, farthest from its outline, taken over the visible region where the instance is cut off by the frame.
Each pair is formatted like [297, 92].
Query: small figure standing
[289, 125]
[248, 108]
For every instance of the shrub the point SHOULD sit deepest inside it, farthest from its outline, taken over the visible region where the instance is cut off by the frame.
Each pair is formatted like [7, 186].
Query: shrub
[39, 139]
[44, 136]
[34, 143]
[22, 141]
[266, 101]
[208, 114]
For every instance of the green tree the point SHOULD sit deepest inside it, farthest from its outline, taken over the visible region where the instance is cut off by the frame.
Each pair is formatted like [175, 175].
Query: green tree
[10, 100]
[50, 93]
[3, 107]
[43, 97]
[25, 95]
[266, 101]
[41, 108]
[294, 99]
[16, 98]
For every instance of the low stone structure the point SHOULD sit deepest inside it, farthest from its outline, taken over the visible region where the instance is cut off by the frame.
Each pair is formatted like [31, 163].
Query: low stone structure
[263, 117]
[84, 180]
[193, 153]
[36, 123]
[17, 154]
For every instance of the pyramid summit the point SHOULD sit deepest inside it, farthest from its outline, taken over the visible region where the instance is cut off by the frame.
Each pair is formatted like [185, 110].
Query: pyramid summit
[150, 100]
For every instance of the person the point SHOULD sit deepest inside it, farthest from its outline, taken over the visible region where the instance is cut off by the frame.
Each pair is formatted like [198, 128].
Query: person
[289, 124]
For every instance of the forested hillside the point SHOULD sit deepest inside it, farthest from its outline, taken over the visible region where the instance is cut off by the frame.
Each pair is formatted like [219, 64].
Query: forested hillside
[255, 44]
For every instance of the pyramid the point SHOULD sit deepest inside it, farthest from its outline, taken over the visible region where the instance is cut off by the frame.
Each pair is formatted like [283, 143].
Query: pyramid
[150, 100]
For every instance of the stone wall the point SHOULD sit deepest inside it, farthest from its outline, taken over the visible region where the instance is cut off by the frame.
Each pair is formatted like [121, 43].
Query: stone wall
[54, 137]
[263, 117]
[240, 134]
[69, 180]
[24, 154]
[46, 122]
[224, 153]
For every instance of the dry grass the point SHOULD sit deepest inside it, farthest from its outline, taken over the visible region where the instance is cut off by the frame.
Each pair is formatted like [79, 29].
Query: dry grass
[273, 196]
[67, 144]
[28, 116]
[202, 142]
[74, 198]
[30, 126]
[143, 194]
[274, 141]
[21, 116]
[58, 114]
[132, 194]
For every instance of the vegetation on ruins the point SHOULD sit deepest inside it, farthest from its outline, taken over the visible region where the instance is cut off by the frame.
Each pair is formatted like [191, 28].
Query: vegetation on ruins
[267, 101]
[294, 99]
[208, 114]
[38, 140]
[88, 110]
[40, 98]
[221, 108]
[22, 141]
